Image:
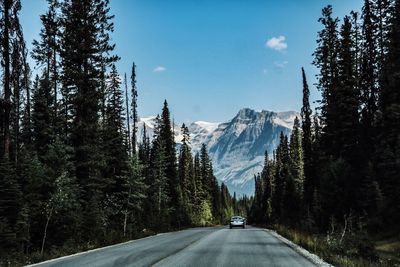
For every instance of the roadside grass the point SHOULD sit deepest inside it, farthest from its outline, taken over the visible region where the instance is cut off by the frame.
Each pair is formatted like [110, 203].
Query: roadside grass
[354, 252]
[388, 247]
[68, 248]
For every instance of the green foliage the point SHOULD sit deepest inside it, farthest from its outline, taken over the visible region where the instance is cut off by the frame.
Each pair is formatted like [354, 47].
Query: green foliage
[203, 214]
[69, 179]
[347, 159]
[136, 197]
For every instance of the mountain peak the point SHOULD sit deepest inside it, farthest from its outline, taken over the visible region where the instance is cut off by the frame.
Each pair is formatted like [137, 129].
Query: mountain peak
[236, 147]
[245, 113]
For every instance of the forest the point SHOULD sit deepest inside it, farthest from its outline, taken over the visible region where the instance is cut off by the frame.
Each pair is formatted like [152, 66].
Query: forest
[74, 174]
[338, 174]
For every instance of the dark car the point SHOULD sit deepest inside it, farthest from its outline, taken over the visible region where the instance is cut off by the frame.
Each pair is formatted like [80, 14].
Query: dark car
[237, 221]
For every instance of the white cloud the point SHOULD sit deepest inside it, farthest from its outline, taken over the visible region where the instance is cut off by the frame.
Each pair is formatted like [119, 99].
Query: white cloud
[159, 69]
[280, 64]
[265, 71]
[277, 43]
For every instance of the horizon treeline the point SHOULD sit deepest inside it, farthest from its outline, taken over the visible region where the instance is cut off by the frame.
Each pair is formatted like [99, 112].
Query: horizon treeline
[340, 170]
[73, 174]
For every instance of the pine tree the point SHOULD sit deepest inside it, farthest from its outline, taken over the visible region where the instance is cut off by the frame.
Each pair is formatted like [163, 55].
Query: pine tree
[85, 49]
[205, 170]
[347, 96]
[159, 196]
[46, 53]
[198, 193]
[171, 174]
[382, 14]
[134, 95]
[226, 204]
[186, 179]
[10, 196]
[389, 105]
[41, 115]
[10, 31]
[369, 82]
[257, 208]
[135, 199]
[15, 78]
[326, 59]
[114, 146]
[306, 127]
[281, 175]
[128, 126]
[216, 204]
[215, 194]
[268, 188]
[296, 173]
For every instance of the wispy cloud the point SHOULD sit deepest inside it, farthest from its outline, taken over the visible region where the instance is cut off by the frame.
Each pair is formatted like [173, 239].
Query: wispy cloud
[280, 64]
[265, 71]
[159, 69]
[277, 43]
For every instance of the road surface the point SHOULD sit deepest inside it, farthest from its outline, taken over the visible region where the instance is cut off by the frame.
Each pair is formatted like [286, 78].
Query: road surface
[214, 246]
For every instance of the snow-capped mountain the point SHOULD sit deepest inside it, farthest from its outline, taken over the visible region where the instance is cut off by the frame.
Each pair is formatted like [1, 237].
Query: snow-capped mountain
[236, 147]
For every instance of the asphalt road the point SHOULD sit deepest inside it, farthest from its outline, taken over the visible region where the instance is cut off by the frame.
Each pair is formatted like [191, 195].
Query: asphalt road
[217, 246]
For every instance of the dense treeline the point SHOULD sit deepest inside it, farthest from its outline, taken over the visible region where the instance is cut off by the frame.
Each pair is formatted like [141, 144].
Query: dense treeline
[340, 170]
[72, 173]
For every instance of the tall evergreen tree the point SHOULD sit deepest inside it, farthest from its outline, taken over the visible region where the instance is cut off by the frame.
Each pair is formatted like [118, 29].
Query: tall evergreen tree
[9, 28]
[306, 142]
[368, 81]
[296, 173]
[389, 105]
[115, 152]
[134, 95]
[186, 179]
[41, 115]
[128, 126]
[171, 174]
[205, 170]
[46, 53]
[347, 96]
[159, 185]
[326, 59]
[85, 49]
[15, 80]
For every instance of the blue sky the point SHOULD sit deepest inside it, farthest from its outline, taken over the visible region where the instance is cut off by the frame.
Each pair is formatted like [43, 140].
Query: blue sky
[211, 58]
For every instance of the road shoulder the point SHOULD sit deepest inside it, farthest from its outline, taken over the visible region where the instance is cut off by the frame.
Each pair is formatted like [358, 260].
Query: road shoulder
[308, 255]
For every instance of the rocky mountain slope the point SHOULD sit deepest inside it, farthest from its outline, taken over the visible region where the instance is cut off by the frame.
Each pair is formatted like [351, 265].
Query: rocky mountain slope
[236, 147]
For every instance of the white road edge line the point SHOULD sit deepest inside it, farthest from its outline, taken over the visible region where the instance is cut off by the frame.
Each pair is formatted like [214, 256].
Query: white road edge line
[92, 250]
[97, 249]
[308, 255]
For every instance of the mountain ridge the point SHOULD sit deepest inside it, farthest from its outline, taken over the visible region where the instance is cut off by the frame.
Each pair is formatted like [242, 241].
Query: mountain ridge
[236, 147]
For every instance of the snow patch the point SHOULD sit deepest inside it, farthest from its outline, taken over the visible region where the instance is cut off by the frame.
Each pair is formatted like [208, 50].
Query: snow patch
[285, 119]
[208, 126]
[236, 147]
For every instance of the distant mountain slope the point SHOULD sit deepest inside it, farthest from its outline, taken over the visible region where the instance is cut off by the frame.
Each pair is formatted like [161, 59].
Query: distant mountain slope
[236, 147]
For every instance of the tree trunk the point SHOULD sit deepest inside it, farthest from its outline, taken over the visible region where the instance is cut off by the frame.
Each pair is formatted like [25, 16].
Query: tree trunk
[28, 96]
[126, 212]
[125, 220]
[6, 81]
[45, 230]
[159, 200]
[55, 77]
